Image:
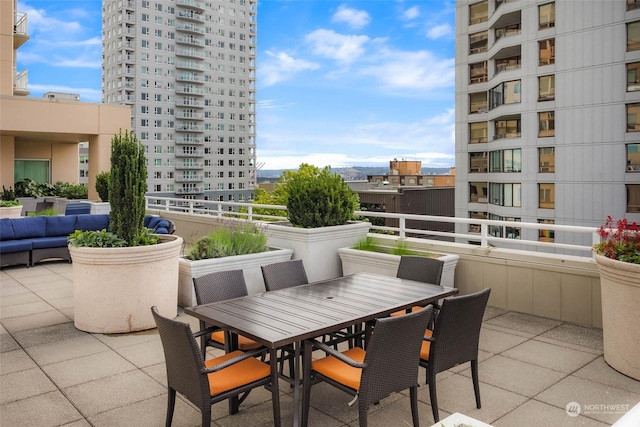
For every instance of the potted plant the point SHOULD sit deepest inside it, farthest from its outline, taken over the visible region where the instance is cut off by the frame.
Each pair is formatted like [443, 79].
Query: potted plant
[382, 254]
[120, 273]
[10, 207]
[618, 258]
[102, 188]
[320, 210]
[237, 245]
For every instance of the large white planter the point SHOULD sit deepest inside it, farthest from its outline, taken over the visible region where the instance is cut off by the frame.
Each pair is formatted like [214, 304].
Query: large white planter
[250, 265]
[100, 207]
[115, 288]
[357, 261]
[11, 212]
[317, 247]
[620, 288]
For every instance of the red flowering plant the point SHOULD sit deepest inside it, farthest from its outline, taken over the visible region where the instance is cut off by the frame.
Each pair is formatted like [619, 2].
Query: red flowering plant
[621, 242]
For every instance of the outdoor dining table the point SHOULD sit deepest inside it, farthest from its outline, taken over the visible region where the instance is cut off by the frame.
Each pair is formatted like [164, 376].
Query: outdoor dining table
[288, 316]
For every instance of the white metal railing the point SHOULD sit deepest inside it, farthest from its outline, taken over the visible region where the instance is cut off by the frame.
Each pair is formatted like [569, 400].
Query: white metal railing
[484, 239]
[20, 82]
[20, 25]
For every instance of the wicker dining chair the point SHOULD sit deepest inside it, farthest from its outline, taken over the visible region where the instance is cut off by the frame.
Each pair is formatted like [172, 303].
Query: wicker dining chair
[420, 269]
[389, 364]
[454, 341]
[284, 274]
[205, 383]
[215, 287]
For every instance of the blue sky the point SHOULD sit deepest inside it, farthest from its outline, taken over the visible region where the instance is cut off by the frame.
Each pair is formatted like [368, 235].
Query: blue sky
[340, 83]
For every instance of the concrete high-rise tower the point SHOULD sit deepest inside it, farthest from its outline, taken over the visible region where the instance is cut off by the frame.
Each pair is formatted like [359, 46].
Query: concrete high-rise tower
[547, 113]
[187, 68]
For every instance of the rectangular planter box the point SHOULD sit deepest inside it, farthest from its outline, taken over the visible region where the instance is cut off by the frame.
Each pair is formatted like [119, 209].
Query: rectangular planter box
[250, 265]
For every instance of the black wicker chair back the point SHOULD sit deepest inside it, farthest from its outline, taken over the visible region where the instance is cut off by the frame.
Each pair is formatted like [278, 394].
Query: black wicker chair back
[285, 274]
[420, 269]
[455, 340]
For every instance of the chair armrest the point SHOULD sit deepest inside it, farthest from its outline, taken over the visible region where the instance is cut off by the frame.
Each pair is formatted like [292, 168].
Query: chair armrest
[335, 353]
[234, 360]
[209, 330]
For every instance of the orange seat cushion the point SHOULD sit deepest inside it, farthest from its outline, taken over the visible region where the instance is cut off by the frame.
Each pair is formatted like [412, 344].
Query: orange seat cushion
[340, 371]
[426, 346]
[244, 343]
[239, 374]
[401, 312]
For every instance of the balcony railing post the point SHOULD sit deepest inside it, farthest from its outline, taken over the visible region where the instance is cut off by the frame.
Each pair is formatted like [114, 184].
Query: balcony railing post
[402, 226]
[484, 233]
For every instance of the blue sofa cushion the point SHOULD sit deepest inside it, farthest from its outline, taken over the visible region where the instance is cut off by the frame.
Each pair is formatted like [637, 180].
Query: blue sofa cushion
[25, 228]
[6, 229]
[60, 225]
[11, 246]
[92, 222]
[49, 242]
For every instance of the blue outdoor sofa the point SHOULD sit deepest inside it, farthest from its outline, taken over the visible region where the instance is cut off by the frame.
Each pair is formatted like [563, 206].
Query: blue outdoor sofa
[31, 239]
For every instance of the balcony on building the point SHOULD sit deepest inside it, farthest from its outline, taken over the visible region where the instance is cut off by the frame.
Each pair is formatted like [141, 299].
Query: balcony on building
[189, 115]
[189, 178]
[189, 127]
[189, 102]
[189, 90]
[189, 14]
[189, 27]
[189, 140]
[186, 165]
[189, 190]
[20, 83]
[190, 65]
[189, 77]
[189, 51]
[189, 39]
[194, 4]
[20, 33]
[185, 152]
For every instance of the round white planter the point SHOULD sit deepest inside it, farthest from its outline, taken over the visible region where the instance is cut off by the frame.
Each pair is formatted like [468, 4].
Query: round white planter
[11, 212]
[620, 289]
[115, 288]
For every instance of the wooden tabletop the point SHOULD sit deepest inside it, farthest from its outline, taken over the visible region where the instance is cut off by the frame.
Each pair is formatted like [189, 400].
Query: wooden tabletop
[285, 316]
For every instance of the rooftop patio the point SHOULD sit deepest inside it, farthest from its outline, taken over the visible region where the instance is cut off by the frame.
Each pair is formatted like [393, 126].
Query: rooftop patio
[53, 374]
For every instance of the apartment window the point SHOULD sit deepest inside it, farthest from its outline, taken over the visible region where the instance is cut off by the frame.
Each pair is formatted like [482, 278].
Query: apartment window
[478, 12]
[505, 160]
[506, 64]
[478, 162]
[478, 72]
[546, 235]
[475, 228]
[157, 162]
[505, 194]
[633, 198]
[546, 159]
[504, 93]
[507, 129]
[633, 4]
[478, 42]
[509, 30]
[157, 175]
[633, 36]
[546, 196]
[478, 192]
[546, 16]
[633, 114]
[546, 124]
[504, 231]
[547, 88]
[478, 102]
[547, 52]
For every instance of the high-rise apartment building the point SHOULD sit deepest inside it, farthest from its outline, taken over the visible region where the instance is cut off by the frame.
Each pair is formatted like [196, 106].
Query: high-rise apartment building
[187, 68]
[547, 113]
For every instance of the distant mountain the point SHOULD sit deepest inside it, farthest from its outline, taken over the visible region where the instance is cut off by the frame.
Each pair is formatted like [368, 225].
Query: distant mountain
[353, 173]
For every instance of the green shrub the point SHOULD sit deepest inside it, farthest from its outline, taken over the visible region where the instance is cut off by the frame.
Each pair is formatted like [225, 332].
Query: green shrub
[96, 239]
[9, 203]
[73, 191]
[238, 239]
[8, 198]
[102, 185]
[44, 212]
[319, 198]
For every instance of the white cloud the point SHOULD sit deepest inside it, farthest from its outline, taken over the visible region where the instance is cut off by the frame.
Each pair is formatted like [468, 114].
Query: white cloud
[343, 48]
[439, 31]
[282, 66]
[411, 13]
[40, 22]
[353, 17]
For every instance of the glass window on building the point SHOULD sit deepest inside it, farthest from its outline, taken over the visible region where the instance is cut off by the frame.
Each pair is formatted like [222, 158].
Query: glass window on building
[475, 228]
[633, 77]
[478, 162]
[546, 235]
[478, 72]
[547, 88]
[633, 36]
[505, 93]
[547, 52]
[509, 30]
[478, 12]
[507, 129]
[35, 170]
[477, 132]
[633, 4]
[546, 159]
[478, 42]
[546, 16]
[546, 196]
[505, 160]
[478, 192]
[507, 64]
[504, 231]
[505, 194]
[546, 124]
[478, 102]
[633, 157]
[633, 198]
[633, 117]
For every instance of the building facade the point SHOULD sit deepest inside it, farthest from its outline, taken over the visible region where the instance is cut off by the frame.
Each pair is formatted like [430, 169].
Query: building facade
[187, 69]
[39, 138]
[547, 101]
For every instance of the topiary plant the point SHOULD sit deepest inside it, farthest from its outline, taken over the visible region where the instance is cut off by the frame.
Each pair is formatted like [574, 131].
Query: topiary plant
[102, 185]
[127, 187]
[318, 198]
